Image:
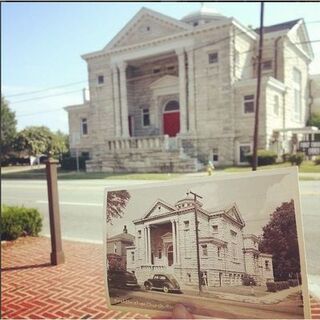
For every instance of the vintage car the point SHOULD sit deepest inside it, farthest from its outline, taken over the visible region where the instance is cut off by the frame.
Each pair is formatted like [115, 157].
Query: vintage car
[122, 279]
[165, 282]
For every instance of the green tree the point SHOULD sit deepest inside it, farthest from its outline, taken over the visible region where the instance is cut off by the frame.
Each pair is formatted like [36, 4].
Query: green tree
[280, 239]
[8, 128]
[314, 120]
[116, 202]
[36, 141]
[61, 144]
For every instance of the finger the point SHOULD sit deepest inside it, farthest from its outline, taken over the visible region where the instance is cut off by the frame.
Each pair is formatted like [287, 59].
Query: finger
[181, 312]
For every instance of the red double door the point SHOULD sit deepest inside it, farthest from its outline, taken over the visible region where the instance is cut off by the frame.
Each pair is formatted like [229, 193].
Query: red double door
[171, 123]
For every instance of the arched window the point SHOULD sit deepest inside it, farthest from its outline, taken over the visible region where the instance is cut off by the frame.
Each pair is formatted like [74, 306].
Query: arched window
[171, 106]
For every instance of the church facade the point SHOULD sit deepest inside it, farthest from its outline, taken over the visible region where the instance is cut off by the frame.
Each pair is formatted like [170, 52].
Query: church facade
[170, 95]
[165, 242]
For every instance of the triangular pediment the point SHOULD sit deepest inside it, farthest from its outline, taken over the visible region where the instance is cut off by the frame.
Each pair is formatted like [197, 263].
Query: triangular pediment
[159, 208]
[165, 82]
[234, 213]
[146, 25]
[299, 36]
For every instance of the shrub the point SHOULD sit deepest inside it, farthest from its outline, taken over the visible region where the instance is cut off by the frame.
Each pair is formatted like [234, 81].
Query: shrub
[18, 221]
[70, 163]
[265, 157]
[285, 157]
[248, 280]
[277, 286]
[297, 158]
[317, 161]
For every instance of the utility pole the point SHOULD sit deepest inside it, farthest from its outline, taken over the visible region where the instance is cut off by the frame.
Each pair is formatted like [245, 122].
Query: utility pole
[257, 107]
[197, 235]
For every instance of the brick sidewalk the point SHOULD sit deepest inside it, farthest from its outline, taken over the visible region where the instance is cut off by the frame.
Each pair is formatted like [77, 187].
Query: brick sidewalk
[33, 289]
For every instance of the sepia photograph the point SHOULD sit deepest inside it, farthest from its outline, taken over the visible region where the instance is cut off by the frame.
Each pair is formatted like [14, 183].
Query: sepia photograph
[243, 260]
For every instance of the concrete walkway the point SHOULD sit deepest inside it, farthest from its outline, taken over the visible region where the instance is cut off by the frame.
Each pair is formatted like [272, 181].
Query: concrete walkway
[33, 289]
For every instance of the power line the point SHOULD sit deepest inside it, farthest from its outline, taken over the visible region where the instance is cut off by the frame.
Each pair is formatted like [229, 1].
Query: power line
[45, 97]
[43, 90]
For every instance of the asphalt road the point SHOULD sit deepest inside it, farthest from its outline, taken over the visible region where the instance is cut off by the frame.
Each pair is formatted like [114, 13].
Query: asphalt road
[81, 203]
[290, 308]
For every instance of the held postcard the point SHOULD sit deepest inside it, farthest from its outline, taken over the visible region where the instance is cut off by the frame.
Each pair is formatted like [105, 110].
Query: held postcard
[223, 246]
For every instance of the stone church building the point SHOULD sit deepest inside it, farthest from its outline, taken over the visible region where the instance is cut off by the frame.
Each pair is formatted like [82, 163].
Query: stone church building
[170, 95]
[165, 242]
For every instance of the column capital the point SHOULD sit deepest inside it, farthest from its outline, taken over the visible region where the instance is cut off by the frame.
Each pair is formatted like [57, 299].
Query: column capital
[189, 49]
[113, 67]
[122, 65]
[179, 51]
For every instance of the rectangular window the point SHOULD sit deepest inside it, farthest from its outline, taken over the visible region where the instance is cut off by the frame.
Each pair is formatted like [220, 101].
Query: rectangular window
[156, 70]
[213, 57]
[215, 229]
[215, 155]
[244, 151]
[145, 117]
[219, 252]
[115, 248]
[186, 239]
[236, 58]
[171, 68]
[234, 251]
[266, 264]
[139, 233]
[186, 224]
[159, 253]
[132, 256]
[204, 250]
[248, 103]
[85, 155]
[84, 126]
[233, 234]
[100, 79]
[266, 65]
[276, 106]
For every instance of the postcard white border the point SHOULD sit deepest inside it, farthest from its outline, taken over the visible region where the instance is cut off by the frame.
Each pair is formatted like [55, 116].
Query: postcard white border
[227, 176]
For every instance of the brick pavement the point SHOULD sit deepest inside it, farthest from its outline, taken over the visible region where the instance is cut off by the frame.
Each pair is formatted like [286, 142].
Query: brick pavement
[33, 289]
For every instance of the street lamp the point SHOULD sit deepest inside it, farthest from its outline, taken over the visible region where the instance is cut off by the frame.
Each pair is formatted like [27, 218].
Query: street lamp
[195, 196]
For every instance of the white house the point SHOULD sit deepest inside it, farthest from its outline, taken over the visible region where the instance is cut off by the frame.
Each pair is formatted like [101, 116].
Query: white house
[170, 95]
[165, 242]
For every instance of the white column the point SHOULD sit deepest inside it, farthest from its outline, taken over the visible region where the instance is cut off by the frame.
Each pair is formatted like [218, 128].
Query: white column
[191, 93]
[178, 242]
[146, 244]
[124, 101]
[173, 241]
[116, 101]
[149, 245]
[182, 90]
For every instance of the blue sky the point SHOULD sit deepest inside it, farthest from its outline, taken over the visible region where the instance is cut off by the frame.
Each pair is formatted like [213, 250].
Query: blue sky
[42, 43]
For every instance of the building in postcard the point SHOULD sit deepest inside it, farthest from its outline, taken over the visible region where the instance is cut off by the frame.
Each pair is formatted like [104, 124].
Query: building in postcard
[170, 95]
[165, 242]
[116, 246]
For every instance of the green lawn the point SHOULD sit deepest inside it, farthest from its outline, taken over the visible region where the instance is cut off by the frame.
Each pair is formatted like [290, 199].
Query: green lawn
[9, 173]
[39, 174]
[305, 167]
